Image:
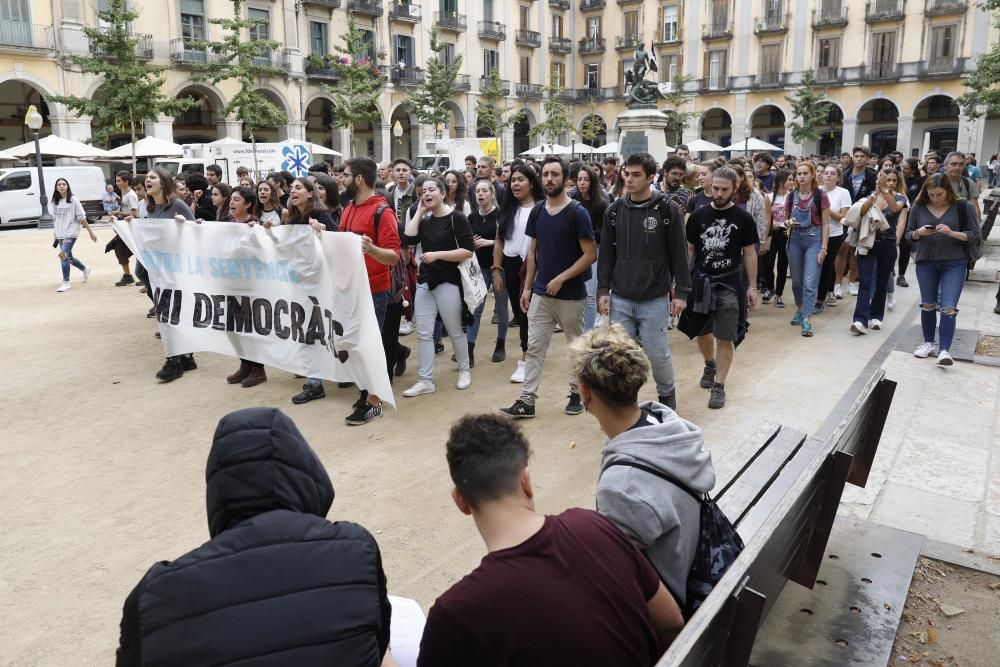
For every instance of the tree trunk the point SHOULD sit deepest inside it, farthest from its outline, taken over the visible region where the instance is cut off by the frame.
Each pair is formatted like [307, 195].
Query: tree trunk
[253, 150]
[131, 127]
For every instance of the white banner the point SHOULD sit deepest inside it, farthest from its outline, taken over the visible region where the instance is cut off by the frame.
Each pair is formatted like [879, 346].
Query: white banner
[281, 297]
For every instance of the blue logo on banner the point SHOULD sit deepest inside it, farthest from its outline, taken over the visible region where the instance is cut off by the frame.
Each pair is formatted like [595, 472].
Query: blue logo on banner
[296, 159]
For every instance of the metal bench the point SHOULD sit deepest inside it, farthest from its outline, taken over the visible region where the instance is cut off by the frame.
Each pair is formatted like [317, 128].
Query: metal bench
[782, 491]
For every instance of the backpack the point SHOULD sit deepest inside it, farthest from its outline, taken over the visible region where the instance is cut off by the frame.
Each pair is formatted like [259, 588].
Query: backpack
[661, 206]
[718, 542]
[973, 251]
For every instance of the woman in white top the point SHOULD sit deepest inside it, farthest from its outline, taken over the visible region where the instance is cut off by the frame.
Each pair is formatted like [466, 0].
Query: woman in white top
[840, 203]
[268, 209]
[67, 216]
[777, 235]
[511, 246]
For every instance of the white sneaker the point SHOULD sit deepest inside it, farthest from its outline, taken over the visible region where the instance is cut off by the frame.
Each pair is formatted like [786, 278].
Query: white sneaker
[891, 303]
[86, 274]
[859, 328]
[464, 380]
[924, 350]
[838, 291]
[65, 287]
[518, 376]
[421, 387]
[944, 358]
[852, 289]
[875, 324]
[405, 328]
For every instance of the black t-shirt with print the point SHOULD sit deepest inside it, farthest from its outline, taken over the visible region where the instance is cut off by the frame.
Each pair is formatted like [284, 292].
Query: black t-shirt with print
[719, 238]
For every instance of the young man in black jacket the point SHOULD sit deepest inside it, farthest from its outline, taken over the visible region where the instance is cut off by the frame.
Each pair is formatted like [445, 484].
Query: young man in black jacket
[643, 253]
[277, 583]
[861, 182]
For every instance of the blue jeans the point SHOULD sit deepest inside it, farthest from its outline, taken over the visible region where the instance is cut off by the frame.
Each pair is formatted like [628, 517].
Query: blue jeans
[874, 278]
[66, 246]
[803, 249]
[947, 279]
[649, 321]
[500, 304]
[381, 302]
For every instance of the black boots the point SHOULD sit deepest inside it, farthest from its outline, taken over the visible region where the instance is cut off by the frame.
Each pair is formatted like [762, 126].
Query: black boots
[500, 352]
[172, 369]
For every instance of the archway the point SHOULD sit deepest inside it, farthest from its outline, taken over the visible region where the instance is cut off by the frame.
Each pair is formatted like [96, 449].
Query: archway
[320, 123]
[15, 97]
[522, 140]
[831, 132]
[199, 124]
[408, 144]
[935, 126]
[592, 122]
[768, 123]
[456, 126]
[878, 122]
[274, 133]
[717, 126]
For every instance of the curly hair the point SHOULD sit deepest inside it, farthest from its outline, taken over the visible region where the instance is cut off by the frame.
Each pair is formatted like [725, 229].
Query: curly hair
[611, 363]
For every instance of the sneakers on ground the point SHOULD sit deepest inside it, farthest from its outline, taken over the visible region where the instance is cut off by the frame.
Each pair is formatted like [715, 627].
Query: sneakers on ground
[86, 274]
[172, 369]
[708, 375]
[421, 387]
[766, 295]
[901, 281]
[310, 392]
[944, 358]
[807, 329]
[405, 328]
[65, 287]
[151, 313]
[558, 328]
[875, 325]
[188, 363]
[717, 399]
[520, 410]
[831, 300]
[126, 280]
[925, 350]
[779, 302]
[891, 302]
[464, 380]
[670, 400]
[518, 375]
[838, 291]
[438, 347]
[852, 289]
[575, 405]
[819, 308]
[859, 328]
[364, 413]
[495, 319]
[402, 355]
[797, 319]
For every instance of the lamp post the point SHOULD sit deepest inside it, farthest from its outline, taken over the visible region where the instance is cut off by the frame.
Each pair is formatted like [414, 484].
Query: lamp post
[34, 120]
[397, 131]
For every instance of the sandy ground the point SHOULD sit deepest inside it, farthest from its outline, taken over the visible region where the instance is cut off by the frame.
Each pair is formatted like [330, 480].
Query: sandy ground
[103, 467]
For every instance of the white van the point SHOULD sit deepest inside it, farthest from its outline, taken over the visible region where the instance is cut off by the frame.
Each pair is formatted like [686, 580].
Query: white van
[19, 191]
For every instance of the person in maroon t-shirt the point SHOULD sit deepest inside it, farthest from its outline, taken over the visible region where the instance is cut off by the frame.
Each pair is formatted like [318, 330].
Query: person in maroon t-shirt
[568, 589]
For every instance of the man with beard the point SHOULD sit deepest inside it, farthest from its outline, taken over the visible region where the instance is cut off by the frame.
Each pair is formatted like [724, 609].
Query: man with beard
[560, 255]
[721, 248]
[674, 171]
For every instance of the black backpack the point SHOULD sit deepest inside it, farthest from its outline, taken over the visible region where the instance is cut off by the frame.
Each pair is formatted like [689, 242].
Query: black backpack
[718, 542]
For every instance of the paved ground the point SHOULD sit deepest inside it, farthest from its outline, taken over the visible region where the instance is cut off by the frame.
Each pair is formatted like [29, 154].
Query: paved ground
[103, 467]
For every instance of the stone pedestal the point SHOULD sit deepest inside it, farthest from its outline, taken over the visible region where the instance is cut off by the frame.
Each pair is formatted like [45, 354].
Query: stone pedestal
[643, 130]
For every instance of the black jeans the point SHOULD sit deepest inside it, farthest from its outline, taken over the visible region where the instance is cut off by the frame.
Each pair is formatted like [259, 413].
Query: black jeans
[904, 255]
[777, 253]
[873, 277]
[512, 280]
[390, 336]
[827, 277]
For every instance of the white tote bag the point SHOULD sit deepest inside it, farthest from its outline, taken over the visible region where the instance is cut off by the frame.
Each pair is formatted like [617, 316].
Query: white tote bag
[473, 284]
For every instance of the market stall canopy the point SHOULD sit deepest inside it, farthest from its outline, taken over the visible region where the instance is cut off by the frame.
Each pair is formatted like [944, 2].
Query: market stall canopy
[316, 149]
[542, 150]
[702, 146]
[227, 141]
[612, 148]
[148, 147]
[5, 155]
[54, 146]
[751, 144]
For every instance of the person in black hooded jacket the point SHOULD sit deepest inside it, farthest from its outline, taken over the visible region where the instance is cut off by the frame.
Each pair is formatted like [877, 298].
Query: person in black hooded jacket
[277, 584]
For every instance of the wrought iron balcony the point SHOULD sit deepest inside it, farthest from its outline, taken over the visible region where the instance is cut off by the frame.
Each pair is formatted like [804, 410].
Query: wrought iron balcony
[560, 4]
[26, 36]
[596, 94]
[492, 30]
[463, 82]
[530, 38]
[591, 45]
[717, 30]
[400, 10]
[319, 69]
[182, 54]
[367, 7]
[592, 5]
[774, 24]
[948, 66]
[829, 17]
[529, 90]
[626, 42]
[770, 79]
[882, 71]
[504, 84]
[143, 47]
[718, 84]
[407, 76]
[560, 45]
[280, 59]
[332, 4]
[945, 7]
[884, 10]
[827, 74]
[630, 2]
[666, 39]
[452, 21]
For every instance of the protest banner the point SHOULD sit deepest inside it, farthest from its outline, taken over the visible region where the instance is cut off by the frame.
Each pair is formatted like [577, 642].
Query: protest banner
[284, 297]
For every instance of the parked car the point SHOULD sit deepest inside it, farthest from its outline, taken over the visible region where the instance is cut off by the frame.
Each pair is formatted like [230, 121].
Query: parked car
[19, 191]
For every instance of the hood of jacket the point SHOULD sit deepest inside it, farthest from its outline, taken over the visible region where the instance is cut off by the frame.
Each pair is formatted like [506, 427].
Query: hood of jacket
[260, 462]
[675, 447]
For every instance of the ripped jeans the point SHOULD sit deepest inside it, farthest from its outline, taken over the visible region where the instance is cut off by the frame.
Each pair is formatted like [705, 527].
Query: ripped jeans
[946, 278]
[648, 321]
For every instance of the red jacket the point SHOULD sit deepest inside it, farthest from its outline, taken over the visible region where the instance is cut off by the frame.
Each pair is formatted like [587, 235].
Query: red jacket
[360, 219]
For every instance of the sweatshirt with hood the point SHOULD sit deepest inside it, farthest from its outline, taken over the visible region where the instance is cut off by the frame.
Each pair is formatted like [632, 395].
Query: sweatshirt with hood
[277, 584]
[662, 520]
[644, 251]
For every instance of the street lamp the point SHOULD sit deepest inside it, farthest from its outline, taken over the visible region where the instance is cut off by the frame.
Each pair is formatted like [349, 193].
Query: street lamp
[397, 131]
[34, 120]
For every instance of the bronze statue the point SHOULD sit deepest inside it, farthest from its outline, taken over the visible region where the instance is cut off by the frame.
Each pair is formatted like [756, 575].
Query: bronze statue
[640, 93]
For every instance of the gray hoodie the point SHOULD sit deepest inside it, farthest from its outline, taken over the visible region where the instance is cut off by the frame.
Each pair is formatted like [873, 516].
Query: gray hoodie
[660, 519]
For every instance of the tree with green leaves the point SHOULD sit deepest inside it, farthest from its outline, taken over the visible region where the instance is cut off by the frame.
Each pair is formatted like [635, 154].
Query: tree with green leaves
[242, 60]
[808, 110]
[132, 90]
[429, 103]
[356, 96]
[593, 125]
[557, 122]
[983, 95]
[678, 120]
[492, 110]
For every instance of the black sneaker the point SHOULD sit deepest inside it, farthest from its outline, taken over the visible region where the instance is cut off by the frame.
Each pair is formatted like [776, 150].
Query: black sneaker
[172, 369]
[708, 376]
[717, 399]
[126, 280]
[364, 413]
[575, 405]
[310, 392]
[670, 400]
[151, 313]
[901, 281]
[520, 410]
[438, 348]
[188, 362]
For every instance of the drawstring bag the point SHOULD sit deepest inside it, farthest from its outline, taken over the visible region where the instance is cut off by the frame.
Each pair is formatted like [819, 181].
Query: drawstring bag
[473, 285]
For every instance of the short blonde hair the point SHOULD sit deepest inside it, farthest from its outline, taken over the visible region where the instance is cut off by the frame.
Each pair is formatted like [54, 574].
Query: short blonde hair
[611, 363]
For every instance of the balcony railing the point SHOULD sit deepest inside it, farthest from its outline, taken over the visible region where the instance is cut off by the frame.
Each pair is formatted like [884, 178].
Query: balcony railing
[882, 71]
[463, 82]
[626, 42]
[143, 47]
[673, 37]
[452, 21]
[942, 66]
[769, 25]
[591, 45]
[944, 7]
[529, 90]
[319, 69]
[281, 59]
[826, 74]
[407, 76]
[182, 54]
[492, 30]
[560, 45]
[504, 84]
[528, 38]
[367, 7]
[404, 11]
[332, 4]
[714, 84]
[829, 17]
[560, 4]
[592, 5]
[884, 10]
[597, 94]
[630, 2]
[769, 79]
[26, 36]
[717, 30]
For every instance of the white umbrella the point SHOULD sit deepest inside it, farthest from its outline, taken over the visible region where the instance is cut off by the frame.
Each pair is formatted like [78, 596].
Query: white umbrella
[702, 146]
[58, 147]
[316, 149]
[547, 149]
[610, 148]
[5, 155]
[751, 144]
[583, 149]
[148, 147]
[226, 141]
